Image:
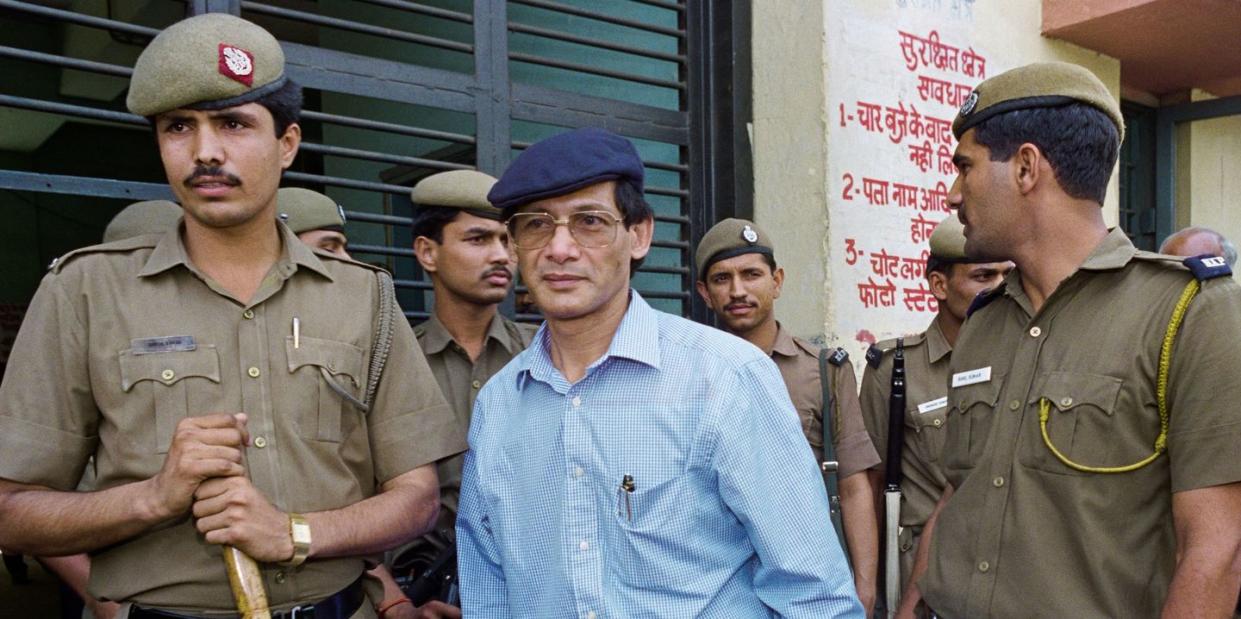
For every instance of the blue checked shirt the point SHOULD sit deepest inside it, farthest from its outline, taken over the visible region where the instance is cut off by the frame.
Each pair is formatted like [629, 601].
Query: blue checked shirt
[727, 517]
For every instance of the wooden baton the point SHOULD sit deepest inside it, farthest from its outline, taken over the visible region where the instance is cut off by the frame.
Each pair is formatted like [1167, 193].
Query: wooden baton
[247, 583]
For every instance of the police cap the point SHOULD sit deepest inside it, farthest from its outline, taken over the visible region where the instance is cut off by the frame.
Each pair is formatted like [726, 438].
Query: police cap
[565, 163]
[948, 240]
[729, 238]
[460, 189]
[1042, 84]
[149, 217]
[305, 210]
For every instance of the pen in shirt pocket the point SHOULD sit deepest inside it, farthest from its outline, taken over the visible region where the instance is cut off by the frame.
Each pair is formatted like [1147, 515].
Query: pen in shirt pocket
[623, 493]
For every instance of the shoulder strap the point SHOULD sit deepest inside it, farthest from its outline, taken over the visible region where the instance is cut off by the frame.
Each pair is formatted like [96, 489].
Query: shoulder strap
[829, 405]
[385, 313]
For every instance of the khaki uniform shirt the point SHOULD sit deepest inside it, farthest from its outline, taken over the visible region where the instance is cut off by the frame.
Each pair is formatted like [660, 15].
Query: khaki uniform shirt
[798, 362]
[460, 379]
[86, 379]
[1026, 535]
[926, 411]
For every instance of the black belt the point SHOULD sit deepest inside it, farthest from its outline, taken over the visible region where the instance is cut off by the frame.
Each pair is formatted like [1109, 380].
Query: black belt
[341, 605]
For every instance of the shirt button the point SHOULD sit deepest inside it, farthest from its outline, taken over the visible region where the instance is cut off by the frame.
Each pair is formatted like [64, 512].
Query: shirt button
[253, 372]
[280, 577]
[1015, 404]
[260, 442]
[577, 401]
[1035, 331]
[1066, 401]
[476, 384]
[578, 472]
[248, 314]
[583, 546]
[983, 566]
[937, 423]
[997, 482]
[168, 375]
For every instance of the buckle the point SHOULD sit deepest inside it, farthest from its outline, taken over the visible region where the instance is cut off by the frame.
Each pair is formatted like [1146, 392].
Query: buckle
[305, 611]
[831, 466]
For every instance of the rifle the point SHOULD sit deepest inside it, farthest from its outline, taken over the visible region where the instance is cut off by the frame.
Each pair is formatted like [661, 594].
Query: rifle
[830, 465]
[892, 482]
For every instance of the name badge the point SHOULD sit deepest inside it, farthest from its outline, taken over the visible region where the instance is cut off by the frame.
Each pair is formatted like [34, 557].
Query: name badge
[168, 343]
[970, 377]
[933, 405]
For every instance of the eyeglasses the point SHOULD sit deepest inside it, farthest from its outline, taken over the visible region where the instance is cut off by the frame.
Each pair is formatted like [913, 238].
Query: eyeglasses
[591, 229]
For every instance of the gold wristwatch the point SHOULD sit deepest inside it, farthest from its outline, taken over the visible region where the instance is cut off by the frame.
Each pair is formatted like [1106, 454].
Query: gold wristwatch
[299, 532]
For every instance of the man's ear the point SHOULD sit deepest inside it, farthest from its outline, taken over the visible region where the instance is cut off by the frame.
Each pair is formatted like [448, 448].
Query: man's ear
[702, 291]
[939, 283]
[427, 252]
[643, 231]
[289, 143]
[1029, 165]
[779, 277]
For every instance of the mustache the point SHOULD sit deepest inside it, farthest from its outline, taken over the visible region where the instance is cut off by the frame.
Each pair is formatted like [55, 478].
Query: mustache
[498, 270]
[211, 172]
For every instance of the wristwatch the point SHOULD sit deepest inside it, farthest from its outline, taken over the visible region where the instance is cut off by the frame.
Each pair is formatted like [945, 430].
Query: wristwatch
[299, 532]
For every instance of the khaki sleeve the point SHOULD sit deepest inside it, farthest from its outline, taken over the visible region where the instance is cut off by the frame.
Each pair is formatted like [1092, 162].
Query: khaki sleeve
[1204, 395]
[874, 409]
[853, 445]
[410, 422]
[48, 417]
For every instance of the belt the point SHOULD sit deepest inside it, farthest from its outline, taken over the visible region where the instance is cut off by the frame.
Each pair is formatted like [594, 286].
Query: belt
[341, 605]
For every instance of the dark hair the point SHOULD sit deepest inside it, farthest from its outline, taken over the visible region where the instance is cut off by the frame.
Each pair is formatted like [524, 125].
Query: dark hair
[634, 209]
[936, 265]
[429, 221]
[1081, 144]
[284, 104]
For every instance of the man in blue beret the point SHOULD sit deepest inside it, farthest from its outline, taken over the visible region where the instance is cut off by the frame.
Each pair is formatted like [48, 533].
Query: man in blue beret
[631, 462]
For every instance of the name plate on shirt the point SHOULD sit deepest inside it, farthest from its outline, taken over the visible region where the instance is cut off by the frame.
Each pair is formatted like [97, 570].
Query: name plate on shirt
[970, 377]
[933, 405]
[167, 343]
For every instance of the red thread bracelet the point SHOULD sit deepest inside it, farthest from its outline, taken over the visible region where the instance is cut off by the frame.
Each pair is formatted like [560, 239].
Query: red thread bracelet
[394, 603]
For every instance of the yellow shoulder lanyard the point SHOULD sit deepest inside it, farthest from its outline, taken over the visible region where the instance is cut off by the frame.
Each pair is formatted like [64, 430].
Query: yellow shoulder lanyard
[1161, 394]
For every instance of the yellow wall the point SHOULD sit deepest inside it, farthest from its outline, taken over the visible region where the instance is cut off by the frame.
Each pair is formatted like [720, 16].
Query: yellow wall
[812, 57]
[1208, 183]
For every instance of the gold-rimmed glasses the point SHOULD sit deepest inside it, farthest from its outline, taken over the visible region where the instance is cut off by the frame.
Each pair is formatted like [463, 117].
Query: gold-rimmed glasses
[591, 229]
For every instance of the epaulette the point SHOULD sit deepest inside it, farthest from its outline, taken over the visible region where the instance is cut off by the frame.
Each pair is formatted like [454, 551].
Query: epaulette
[319, 253]
[874, 354]
[838, 357]
[1206, 267]
[124, 245]
[984, 298]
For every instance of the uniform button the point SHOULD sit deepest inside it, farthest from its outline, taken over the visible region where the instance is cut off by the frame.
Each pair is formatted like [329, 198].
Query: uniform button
[1035, 331]
[577, 401]
[248, 314]
[1066, 401]
[168, 375]
[938, 422]
[1014, 405]
[476, 385]
[583, 546]
[997, 482]
[280, 576]
[984, 566]
[253, 372]
[260, 442]
[578, 472]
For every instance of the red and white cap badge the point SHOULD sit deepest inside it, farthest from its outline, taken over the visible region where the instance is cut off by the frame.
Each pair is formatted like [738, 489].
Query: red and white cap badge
[236, 64]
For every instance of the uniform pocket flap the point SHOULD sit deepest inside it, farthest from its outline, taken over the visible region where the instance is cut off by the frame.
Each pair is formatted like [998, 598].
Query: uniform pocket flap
[1069, 390]
[964, 398]
[169, 367]
[338, 358]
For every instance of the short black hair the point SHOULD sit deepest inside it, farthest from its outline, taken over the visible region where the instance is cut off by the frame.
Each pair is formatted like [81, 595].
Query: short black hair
[936, 265]
[1081, 144]
[284, 104]
[429, 221]
[634, 209]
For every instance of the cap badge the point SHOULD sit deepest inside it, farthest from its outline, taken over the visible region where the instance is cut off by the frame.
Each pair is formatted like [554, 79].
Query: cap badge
[341, 210]
[236, 64]
[970, 103]
[749, 235]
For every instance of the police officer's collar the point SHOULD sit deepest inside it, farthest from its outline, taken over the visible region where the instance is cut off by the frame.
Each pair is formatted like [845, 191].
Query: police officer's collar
[937, 346]
[1113, 252]
[784, 344]
[170, 252]
[436, 337]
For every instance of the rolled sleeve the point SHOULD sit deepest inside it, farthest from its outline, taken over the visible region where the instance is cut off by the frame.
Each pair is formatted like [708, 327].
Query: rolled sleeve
[854, 448]
[483, 588]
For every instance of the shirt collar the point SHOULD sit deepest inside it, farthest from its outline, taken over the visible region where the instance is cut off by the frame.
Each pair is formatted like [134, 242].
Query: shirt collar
[436, 338]
[170, 252]
[784, 344]
[636, 339]
[937, 345]
[1113, 252]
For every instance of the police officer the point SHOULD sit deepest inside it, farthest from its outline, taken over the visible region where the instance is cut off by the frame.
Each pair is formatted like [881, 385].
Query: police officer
[1091, 424]
[954, 279]
[740, 281]
[315, 218]
[221, 374]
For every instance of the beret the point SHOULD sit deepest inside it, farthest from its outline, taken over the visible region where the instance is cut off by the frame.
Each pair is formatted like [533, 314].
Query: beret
[208, 61]
[149, 217]
[729, 238]
[1042, 84]
[305, 210]
[948, 240]
[565, 163]
[459, 189]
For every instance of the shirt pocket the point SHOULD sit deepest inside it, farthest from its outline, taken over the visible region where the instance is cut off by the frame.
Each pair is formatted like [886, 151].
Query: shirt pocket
[320, 405]
[1081, 414]
[647, 521]
[969, 422]
[170, 380]
[928, 431]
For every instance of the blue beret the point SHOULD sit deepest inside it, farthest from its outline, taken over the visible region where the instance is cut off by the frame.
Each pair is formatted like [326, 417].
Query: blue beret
[565, 163]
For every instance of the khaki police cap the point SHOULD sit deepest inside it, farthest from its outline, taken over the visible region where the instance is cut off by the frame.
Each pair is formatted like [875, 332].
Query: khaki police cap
[1042, 84]
[459, 189]
[305, 210]
[948, 240]
[729, 238]
[209, 61]
[149, 217]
